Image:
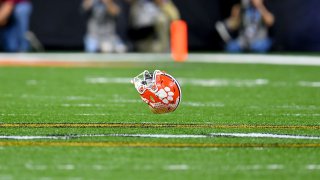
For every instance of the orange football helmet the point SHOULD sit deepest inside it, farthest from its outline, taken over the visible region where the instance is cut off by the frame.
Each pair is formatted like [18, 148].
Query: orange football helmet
[159, 90]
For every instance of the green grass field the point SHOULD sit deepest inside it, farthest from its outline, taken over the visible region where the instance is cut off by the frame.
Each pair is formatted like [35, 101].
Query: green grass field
[92, 111]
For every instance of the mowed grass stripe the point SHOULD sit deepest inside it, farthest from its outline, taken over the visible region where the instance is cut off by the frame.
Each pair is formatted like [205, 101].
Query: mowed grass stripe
[152, 125]
[158, 145]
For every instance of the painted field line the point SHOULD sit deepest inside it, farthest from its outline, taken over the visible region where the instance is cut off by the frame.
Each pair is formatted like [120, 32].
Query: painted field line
[17, 137]
[168, 136]
[187, 81]
[263, 135]
[158, 145]
[152, 125]
[70, 64]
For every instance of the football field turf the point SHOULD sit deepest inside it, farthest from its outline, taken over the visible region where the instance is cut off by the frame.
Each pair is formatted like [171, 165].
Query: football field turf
[235, 121]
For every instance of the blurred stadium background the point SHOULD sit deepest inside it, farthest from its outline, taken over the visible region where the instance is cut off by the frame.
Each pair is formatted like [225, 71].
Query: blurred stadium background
[59, 24]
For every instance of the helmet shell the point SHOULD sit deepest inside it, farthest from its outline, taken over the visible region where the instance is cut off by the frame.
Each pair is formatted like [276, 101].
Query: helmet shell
[162, 93]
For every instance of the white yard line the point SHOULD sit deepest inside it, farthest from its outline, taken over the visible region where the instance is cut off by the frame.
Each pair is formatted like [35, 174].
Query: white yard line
[87, 114]
[32, 82]
[39, 167]
[299, 107]
[177, 167]
[97, 167]
[263, 135]
[207, 82]
[83, 105]
[260, 167]
[309, 84]
[203, 104]
[78, 98]
[166, 136]
[275, 166]
[106, 80]
[223, 82]
[66, 167]
[299, 115]
[187, 81]
[313, 167]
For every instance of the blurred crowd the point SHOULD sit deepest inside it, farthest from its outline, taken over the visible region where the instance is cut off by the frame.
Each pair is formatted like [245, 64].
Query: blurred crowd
[128, 25]
[112, 25]
[14, 24]
[117, 26]
[247, 27]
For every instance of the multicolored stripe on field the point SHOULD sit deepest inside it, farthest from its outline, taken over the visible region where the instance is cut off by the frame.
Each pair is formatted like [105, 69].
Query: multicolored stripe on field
[71, 64]
[152, 125]
[158, 145]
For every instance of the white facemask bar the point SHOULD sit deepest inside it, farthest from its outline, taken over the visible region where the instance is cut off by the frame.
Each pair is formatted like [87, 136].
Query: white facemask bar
[145, 81]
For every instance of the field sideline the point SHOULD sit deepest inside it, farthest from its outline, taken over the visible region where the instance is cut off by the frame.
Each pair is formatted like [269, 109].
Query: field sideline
[84, 59]
[76, 116]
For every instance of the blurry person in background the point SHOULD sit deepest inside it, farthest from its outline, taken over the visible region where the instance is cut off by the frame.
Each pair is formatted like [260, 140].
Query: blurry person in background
[122, 23]
[14, 24]
[169, 13]
[252, 20]
[101, 33]
[150, 22]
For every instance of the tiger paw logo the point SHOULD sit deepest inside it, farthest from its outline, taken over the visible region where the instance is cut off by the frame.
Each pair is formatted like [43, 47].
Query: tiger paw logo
[165, 95]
